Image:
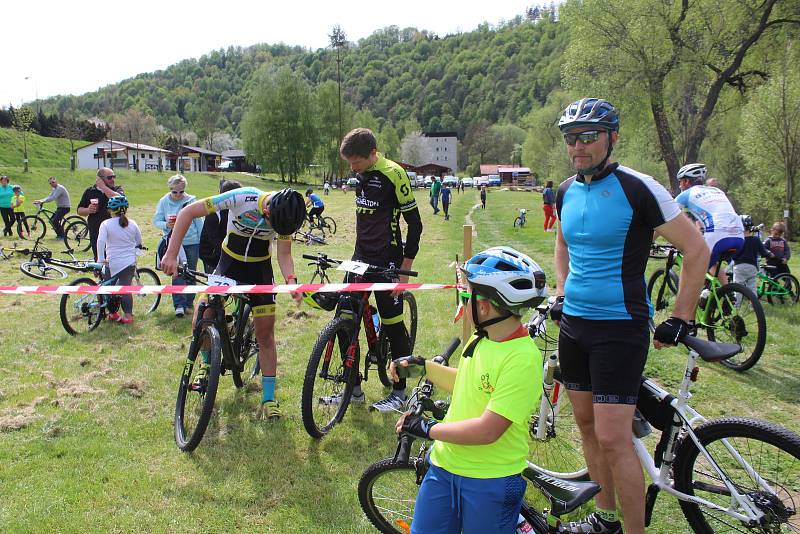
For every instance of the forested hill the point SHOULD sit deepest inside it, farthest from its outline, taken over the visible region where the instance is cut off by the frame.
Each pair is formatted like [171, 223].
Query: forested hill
[448, 83]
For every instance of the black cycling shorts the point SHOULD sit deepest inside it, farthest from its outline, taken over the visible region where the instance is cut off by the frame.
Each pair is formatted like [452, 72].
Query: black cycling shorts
[604, 357]
[258, 272]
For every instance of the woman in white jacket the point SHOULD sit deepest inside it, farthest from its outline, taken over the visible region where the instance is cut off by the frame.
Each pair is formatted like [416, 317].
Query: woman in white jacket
[118, 244]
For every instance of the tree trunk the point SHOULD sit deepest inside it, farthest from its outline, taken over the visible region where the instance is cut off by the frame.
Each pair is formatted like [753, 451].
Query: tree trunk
[787, 215]
[665, 141]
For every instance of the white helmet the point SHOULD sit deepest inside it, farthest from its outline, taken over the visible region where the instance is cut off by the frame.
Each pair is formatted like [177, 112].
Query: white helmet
[695, 172]
[507, 277]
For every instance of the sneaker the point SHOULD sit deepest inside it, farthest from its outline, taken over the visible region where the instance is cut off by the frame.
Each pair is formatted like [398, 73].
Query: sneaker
[199, 382]
[591, 524]
[113, 316]
[394, 402]
[269, 411]
[179, 311]
[331, 400]
[126, 320]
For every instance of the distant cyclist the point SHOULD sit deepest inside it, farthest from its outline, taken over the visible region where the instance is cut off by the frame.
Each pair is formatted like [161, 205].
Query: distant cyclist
[314, 205]
[254, 219]
[723, 228]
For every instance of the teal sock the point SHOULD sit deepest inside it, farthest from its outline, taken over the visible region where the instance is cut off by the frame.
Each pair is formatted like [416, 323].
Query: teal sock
[267, 389]
[609, 516]
[206, 356]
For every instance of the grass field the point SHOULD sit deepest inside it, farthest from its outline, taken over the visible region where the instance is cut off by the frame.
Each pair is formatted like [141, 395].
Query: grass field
[86, 438]
[42, 151]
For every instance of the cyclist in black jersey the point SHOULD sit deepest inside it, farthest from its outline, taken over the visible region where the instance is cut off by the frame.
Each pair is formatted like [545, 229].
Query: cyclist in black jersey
[383, 194]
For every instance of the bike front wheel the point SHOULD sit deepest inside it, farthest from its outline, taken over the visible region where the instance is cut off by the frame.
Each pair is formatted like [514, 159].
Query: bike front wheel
[37, 228]
[736, 316]
[518, 222]
[81, 313]
[328, 382]
[196, 393]
[387, 492]
[759, 459]
[790, 287]
[662, 288]
[147, 303]
[76, 236]
[42, 271]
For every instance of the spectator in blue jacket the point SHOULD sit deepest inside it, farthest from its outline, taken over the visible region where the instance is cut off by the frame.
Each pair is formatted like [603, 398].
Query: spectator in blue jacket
[164, 219]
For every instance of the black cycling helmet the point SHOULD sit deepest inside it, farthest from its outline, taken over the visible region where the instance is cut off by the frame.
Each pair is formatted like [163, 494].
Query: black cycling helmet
[590, 112]
[747, 222]
[287, 211]
[321, 301]
[309, 191]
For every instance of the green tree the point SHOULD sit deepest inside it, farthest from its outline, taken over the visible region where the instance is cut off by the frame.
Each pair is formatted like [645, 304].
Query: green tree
[644, 47]
[278, 129]
[770, 139]
[23, 118]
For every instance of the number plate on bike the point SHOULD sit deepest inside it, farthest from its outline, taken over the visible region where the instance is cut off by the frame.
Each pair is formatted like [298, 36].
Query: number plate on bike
[355, 267]
[219, 280]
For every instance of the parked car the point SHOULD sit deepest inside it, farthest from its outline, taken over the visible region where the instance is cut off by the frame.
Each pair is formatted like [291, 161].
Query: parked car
[450, 181]
[412, 177]
[468, 182]
[226, 165]
[481, 180]
[494, 180]
[428, 181]
[352, 182]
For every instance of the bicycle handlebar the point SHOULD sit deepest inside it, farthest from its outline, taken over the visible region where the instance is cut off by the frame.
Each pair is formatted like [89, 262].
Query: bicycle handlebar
[324, 262]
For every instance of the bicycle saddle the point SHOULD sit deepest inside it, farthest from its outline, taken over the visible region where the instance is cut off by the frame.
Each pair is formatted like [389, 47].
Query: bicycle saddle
[712, 351]
[564, 495]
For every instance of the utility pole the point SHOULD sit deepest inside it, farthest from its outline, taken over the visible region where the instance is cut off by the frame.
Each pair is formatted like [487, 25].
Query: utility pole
[338, 40]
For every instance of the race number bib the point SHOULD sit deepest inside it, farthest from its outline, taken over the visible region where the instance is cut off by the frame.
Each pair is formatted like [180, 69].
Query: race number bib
[219, 280]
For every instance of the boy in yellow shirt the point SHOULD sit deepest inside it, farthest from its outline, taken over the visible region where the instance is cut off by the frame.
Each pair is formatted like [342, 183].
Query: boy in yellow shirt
[18, 205]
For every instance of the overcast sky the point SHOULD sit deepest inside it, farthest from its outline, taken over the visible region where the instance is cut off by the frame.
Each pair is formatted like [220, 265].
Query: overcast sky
[56, 47]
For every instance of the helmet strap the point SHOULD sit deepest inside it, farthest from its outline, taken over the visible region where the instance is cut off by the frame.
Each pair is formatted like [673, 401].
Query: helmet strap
[597, 169]
[480, 327]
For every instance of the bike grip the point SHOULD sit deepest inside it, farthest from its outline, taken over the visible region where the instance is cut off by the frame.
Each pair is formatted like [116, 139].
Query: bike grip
[404, 272]
[451, 348]
[310, 257]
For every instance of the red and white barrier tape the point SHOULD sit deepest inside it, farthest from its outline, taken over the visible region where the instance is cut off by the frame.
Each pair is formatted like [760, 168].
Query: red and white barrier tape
[279, 288]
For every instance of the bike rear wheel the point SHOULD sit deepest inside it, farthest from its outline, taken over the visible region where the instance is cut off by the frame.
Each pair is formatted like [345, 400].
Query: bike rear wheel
[245, 347]
[769, 452]
[81, 313]
[76, 236]
[42, 270]
[736, 316]
[662, 290]
[196, 395]
[147, 303]
[387, 492]
[328, 376]
[410, 323]
[788, 283]
[329, 225]
[36, 226]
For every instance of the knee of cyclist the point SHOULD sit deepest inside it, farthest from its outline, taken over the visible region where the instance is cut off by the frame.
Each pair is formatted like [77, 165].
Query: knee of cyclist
[613, 439]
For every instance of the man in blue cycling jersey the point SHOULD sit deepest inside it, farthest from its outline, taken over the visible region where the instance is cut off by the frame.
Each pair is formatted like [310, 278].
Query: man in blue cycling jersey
[607, 216]
[314, 205]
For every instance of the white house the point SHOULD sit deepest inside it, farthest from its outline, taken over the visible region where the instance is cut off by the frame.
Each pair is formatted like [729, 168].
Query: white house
[440, 148]
[121, 154]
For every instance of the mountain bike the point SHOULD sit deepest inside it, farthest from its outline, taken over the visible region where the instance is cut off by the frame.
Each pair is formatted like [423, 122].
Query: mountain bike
[38, 227]
[734, 472]
[322, 225]
[781, 289]
[333, 366]
[521, 219]
[387, 490]
[308, 239]
[730, 313]
[43, 266]
[229, 338]
[83, 312]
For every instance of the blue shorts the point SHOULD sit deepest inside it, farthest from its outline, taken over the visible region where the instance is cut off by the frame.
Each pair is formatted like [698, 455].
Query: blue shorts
[720, 250]
[451, 504]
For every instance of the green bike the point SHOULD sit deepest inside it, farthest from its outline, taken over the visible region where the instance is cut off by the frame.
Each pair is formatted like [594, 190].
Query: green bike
[781, 289]
[730, 313]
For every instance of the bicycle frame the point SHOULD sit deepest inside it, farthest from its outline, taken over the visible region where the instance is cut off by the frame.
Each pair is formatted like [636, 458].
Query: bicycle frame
[362, 315]
[688, 416]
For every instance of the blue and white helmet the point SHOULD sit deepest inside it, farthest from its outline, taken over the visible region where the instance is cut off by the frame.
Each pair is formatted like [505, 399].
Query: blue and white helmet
[590, 112]
[509, 278]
